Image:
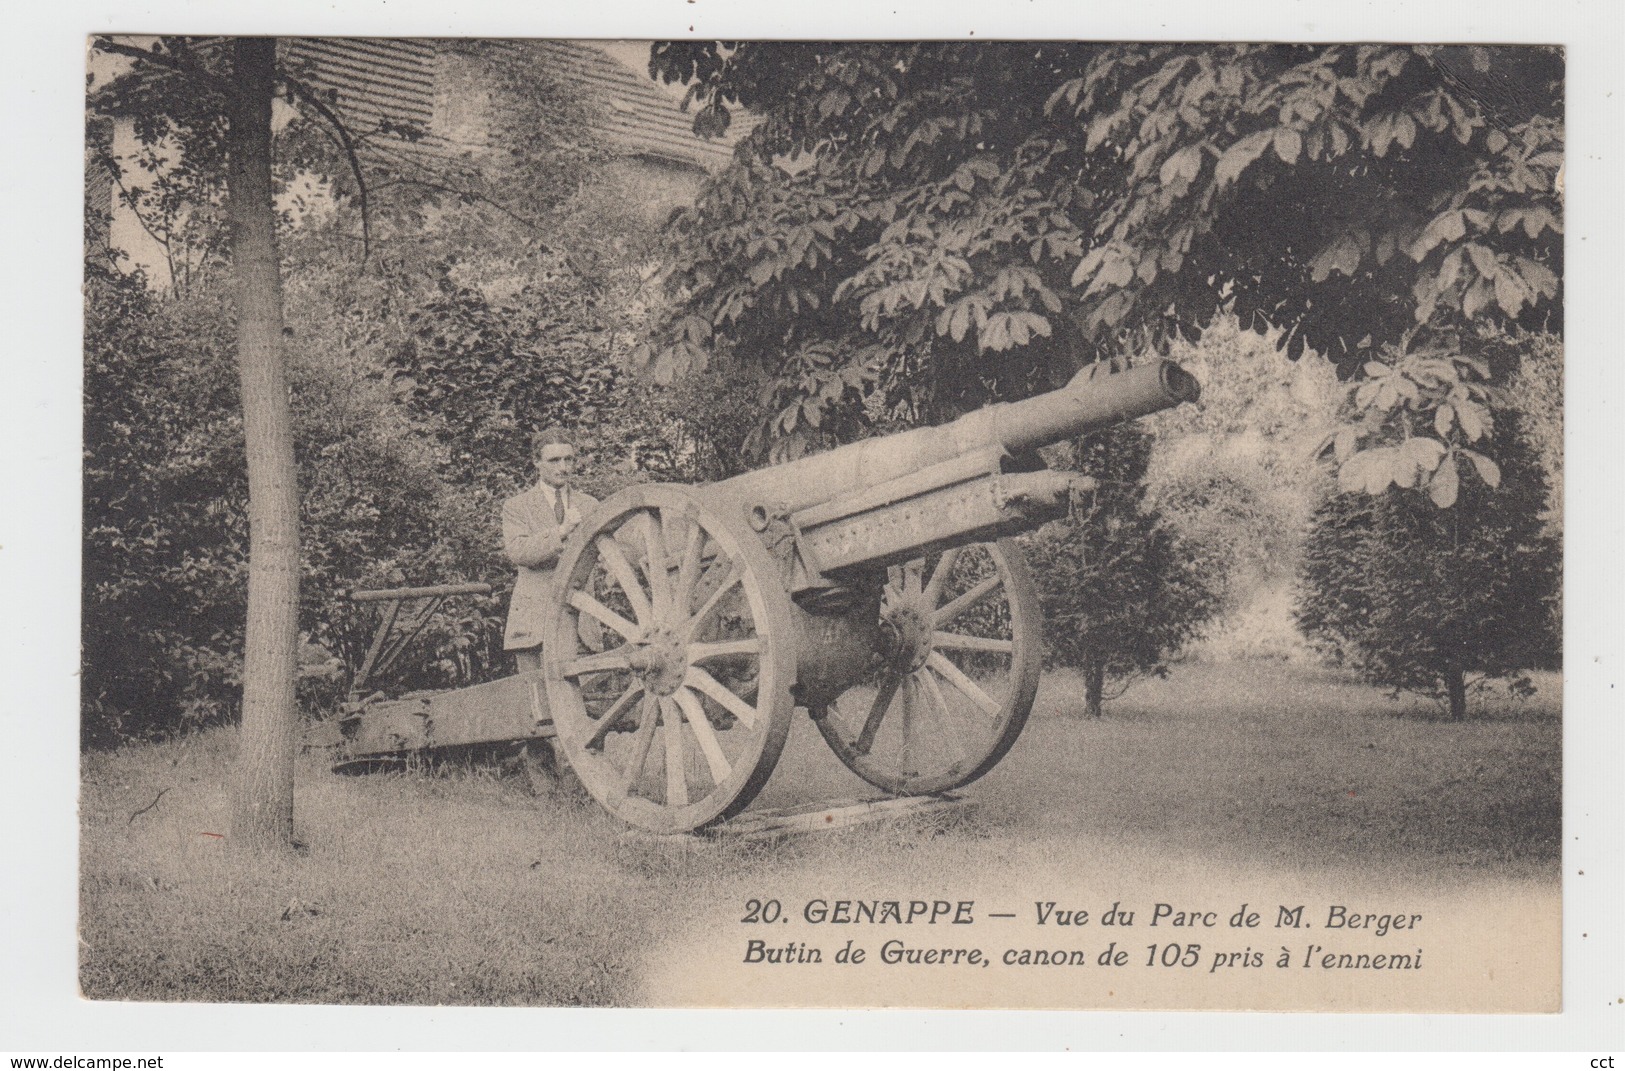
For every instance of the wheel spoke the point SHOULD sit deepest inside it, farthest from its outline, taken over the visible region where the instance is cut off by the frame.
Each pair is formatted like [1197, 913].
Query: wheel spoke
[613, 714]
[592, 607]
[911, 576]
[927, 682]
[953, 641]
[700, 680]
[654, 562]
[676, 755]
[704, 734]
[641, 743]
[954, 676]
[597, 663]
[981, 590]
[693, 624]
[688, 571]
[940, 575]
[877, 713]
[702, 652]
[615, 561]
[905, 758]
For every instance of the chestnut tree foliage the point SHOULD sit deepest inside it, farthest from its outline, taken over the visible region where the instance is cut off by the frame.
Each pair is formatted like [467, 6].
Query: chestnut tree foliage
[916, 228]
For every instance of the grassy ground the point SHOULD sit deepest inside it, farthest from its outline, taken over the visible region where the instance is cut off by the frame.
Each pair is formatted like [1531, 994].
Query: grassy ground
[473, 889]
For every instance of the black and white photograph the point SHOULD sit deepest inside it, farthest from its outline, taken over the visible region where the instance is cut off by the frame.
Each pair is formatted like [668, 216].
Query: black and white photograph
[1024, 523]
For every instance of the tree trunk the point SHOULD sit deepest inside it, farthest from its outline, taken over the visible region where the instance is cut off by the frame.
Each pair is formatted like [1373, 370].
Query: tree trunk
[262, 801]
[1456, 686]
[1094, 685]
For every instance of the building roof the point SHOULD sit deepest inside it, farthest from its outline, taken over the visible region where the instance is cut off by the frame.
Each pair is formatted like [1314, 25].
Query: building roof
[393, 81]
[640, 117]
[375, 78]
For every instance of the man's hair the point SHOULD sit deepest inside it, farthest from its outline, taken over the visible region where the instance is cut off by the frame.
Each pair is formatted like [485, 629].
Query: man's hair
[554, 436]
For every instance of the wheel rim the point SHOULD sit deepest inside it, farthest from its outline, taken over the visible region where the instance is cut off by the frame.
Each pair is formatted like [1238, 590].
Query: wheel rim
[669, 683]
[956, 680]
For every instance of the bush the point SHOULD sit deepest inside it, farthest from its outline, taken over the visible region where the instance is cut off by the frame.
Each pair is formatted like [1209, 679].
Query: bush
[486, 376]
[1234, 477]
[1537, 391]
[165, 531]
[164, 550]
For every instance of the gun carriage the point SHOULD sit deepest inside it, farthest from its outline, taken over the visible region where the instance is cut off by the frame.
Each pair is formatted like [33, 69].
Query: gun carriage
[875, 585]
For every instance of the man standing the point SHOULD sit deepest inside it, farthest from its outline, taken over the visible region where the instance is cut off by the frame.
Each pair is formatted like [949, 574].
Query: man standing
[535, 524]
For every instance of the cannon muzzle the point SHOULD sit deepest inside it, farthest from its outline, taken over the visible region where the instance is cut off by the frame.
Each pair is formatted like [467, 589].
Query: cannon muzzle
[1096, 398]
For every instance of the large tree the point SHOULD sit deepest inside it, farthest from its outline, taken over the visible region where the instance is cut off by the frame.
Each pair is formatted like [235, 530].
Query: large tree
[262, 803]
[913, 228]
[227, 97]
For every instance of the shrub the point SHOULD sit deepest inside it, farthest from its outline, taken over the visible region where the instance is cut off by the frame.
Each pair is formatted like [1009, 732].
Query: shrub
[163, 548]
[1234, 476]
[485, 376]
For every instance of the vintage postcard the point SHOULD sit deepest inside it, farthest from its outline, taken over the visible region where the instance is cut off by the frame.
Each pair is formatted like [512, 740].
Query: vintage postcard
[1021, 524]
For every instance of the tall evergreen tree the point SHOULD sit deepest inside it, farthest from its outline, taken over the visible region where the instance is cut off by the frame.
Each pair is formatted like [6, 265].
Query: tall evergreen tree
[1120, 593]
[1419, 598]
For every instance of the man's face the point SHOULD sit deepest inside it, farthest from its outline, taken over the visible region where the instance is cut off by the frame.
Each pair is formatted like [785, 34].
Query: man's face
[556, 464]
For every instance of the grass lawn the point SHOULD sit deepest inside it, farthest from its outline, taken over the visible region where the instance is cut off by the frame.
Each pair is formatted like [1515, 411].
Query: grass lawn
[472, 889]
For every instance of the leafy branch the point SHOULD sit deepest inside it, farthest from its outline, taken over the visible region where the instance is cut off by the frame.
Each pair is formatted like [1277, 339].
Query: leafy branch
[341, 132]
[1434, 404]
[179, 62]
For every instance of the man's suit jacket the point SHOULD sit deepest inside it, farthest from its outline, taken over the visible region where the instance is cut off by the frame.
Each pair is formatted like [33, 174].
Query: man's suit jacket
[532, 538]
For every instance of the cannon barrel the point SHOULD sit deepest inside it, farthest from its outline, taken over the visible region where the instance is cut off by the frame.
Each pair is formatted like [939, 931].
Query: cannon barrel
[1096, 398]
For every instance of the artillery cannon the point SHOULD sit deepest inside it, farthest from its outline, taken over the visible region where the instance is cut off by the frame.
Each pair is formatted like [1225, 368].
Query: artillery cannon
[874, 585]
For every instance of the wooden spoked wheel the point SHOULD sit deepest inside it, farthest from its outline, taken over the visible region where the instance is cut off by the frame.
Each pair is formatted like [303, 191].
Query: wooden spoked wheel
[669, 656]
[956, 678]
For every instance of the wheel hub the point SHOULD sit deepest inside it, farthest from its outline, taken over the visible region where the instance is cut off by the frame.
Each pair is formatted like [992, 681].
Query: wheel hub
[908, 630]
[661, 661]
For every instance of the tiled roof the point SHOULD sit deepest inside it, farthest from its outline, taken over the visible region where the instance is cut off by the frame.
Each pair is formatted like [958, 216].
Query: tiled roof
[391, 79]
[639, 117]
[98, 183]
[375, 78]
